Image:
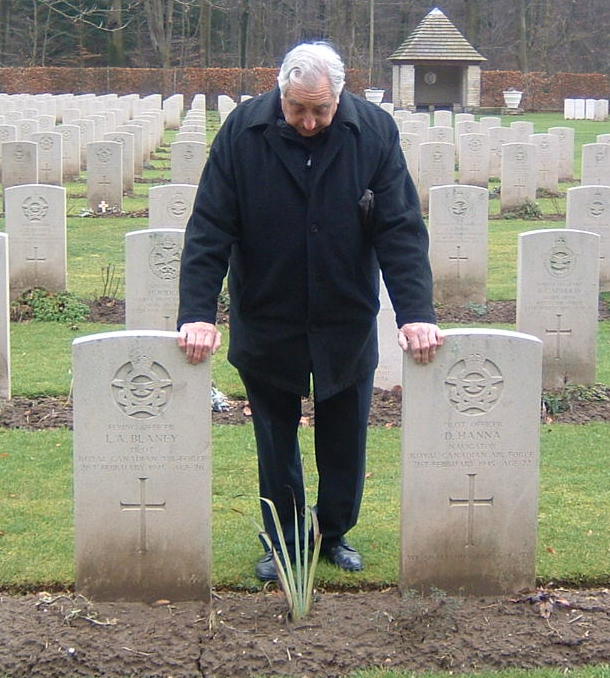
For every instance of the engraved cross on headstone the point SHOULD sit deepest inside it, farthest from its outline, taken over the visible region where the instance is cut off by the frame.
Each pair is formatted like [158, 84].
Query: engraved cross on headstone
[520, 185]
[35, 259]
[142, 507]
[45, 170]
[558, 332]
[470, 504]
[457, 258]
[103, 206]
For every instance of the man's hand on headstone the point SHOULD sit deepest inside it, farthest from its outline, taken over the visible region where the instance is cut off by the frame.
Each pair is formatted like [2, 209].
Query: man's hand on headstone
[421, 339]
[199, 340]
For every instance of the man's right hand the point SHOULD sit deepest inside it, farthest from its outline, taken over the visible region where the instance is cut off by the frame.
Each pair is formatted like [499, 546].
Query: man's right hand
[199, 340]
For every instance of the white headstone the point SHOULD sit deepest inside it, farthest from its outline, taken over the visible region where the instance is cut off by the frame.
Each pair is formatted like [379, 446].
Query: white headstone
[590, 109]
[187, 161]
[566, 151]
[474, 159]
[579, 109]
[588, 209]
[471, 436]
[87, 136]
[466, 127]
[172, 107]
[388, 374]
[443, 118]
[7, 133]
[440, 134]
[127, 143]
[105, 176]
[489, 121]
[410, 148]
[557, 297]
[36, 225]
[522, 129]
[458, 243]
[436, 167]
[600, 110]
[595, 165]
[19, 163]
[518, 175]
[197, 137]
[460, 117]
[71, 151]
[25, 128]
[170, 205]
[138, 152]
[600, 138]
[421, 117]
[142, 469]
[547, 161]
[152, 270]
[568, 109]
[5, 327]
[497, 137]
[50, 157]
[225, 106]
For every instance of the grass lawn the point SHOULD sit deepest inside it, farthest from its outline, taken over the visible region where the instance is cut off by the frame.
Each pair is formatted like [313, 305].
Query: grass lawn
[36, 529]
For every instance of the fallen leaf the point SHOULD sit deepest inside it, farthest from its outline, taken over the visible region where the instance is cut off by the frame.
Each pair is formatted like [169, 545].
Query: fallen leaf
[304, 421]
[550, 549]
[4, 455]
[368, 475]
[247, 412]
[545, 609]
[161, 602]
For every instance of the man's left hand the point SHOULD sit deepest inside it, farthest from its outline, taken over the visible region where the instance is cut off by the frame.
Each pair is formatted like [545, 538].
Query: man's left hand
[421, 339]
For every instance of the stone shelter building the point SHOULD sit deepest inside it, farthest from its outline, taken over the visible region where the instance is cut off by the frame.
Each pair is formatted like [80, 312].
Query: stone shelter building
[436, 67]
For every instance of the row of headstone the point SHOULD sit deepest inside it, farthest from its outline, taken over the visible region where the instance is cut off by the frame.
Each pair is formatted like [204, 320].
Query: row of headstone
[142, 467]
[458, 228]
[189, 150]
[585, 109]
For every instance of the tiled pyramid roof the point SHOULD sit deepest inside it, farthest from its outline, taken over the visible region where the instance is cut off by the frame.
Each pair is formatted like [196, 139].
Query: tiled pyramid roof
[436, 39]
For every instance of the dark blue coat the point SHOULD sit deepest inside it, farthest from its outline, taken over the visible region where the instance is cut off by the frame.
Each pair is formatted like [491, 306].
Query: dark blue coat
[304, 263]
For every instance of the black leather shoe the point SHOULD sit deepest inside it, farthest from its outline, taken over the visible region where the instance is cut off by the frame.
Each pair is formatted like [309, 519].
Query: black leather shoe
[341, 554]
[265, 568]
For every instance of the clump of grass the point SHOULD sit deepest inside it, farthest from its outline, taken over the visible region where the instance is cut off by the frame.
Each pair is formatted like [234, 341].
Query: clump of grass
[296, 579]
[40, 304]
[560, 400]
[528, 210]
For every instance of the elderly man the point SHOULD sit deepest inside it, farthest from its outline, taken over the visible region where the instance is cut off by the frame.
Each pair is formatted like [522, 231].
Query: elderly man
[304, 195]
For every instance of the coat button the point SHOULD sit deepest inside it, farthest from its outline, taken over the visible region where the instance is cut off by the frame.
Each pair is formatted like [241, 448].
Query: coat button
[314, 228]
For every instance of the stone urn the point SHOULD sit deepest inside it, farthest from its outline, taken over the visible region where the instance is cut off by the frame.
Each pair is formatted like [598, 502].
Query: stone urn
[512, 98]
[374, 95]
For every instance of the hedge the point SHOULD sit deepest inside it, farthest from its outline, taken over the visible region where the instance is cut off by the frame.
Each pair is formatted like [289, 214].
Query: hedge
[542, 91]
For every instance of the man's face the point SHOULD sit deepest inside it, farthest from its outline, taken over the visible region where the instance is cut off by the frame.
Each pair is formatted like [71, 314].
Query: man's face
[309, 109]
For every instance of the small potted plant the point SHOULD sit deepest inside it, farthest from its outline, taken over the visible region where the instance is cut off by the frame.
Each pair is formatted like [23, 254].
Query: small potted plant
[512, 97]
[374, 95]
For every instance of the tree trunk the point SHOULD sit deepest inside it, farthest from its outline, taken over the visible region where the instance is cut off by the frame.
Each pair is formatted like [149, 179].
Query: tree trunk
[116, 44]
[160, 19]
[205, 32]
[473, 22]
[523, 51]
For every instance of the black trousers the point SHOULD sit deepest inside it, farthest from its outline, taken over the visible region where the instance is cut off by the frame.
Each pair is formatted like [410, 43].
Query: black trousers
[340, 447]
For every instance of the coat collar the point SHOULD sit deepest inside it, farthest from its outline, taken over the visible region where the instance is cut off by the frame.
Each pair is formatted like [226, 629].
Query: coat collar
[266, 115]
[269, 109]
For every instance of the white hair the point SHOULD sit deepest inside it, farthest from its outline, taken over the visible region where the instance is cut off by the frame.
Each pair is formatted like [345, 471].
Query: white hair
[307, 63]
